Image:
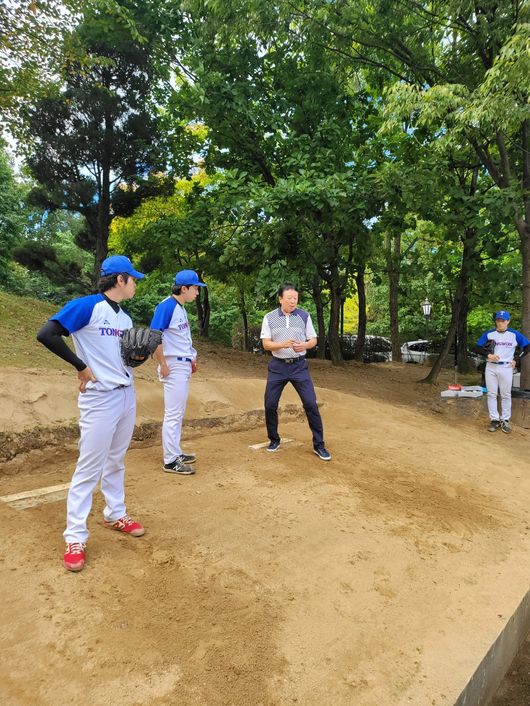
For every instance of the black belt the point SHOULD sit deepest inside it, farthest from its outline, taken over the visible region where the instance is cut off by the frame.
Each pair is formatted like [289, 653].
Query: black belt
[185, 360]
[500, 362]
[290, 361]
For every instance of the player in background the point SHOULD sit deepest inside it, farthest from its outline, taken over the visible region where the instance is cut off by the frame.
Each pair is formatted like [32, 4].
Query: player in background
[107, 403]
[288, 332]
[177, 360]
[499, 345]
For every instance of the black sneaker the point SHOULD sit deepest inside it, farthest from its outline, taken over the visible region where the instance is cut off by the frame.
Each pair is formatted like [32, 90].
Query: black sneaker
[188, 458]
[178, 466]
[494, 425]
[322, 453]
[506, 427]
[273, 446]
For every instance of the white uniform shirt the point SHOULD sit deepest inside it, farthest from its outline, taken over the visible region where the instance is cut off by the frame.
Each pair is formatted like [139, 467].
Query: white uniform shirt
[505, 343]
[96, 330]
[170, 317]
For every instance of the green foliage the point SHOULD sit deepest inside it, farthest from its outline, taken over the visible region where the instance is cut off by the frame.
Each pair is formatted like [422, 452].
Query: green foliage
[226, 315]
[32, 43]
[30, 54]
[36, 285]
[149, 293]
[168, 232]
[11, 213]
[305, 138]
[48, 264]
[49, 247]
[94, 130]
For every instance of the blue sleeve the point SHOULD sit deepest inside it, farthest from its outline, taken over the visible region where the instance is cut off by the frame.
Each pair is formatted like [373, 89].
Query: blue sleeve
[163, 314]
[483, 339]
[522, 341]
[76, 314]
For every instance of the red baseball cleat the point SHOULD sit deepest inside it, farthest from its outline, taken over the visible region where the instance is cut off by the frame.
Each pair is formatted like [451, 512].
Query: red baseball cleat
[74, 556]
[127, 525]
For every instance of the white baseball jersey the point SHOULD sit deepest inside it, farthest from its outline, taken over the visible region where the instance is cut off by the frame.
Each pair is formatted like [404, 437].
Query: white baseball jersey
[505, 343]
[296, 326]
[96, 330]
[170, 317]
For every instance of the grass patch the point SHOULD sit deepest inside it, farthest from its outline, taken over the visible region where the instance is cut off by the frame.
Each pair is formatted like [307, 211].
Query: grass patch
[20, 319]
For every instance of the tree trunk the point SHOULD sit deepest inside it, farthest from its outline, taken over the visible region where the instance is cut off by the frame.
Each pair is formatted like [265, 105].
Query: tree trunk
[100, 253]
[393, 256]
[469, 258]
[432, 376]
[244, 316]
[335, 291]
[361, 325]
[502, 176]
[525, 323]
[104, 217]
[464, 363]
[203, 312]
[523, 228]
[321, 324]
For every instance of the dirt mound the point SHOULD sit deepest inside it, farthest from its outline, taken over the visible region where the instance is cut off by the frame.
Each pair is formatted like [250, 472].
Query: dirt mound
[381, 577]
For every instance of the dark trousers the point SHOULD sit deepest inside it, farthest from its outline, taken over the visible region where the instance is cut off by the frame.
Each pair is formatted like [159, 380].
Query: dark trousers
[297, 374]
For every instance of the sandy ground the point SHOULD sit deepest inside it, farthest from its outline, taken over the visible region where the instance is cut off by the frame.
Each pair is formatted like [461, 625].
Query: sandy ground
[378, 579]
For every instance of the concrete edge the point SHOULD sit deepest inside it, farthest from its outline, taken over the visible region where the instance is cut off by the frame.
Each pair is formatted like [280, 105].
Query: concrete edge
[482, 686]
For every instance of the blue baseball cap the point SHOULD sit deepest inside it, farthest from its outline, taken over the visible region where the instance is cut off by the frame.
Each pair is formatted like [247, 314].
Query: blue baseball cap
[117, 265]
[504, 315]
[187, 278]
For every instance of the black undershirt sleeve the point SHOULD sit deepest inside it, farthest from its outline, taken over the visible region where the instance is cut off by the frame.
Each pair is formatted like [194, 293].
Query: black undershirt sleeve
[51, 336]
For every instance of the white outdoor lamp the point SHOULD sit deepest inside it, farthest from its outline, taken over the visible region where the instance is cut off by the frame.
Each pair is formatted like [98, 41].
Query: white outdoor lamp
[427, 307]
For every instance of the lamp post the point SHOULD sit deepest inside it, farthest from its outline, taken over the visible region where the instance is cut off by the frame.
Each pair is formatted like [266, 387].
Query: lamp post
[427, 307]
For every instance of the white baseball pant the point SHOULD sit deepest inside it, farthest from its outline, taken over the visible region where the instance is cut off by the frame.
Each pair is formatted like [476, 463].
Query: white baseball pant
[499, 379]
[176, 390]
[106, 424]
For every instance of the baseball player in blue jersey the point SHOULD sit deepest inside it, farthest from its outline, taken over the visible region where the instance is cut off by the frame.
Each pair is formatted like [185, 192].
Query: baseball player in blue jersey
[107, 402]
[288, 332]
[499, 345]
[177, 360]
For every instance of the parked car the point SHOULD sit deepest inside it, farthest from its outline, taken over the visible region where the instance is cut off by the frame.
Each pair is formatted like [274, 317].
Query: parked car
[377, 349]
[415, 351]
[418, 351]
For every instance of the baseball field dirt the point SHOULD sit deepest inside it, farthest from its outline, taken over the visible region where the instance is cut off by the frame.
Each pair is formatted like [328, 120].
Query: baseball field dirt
[380, 578]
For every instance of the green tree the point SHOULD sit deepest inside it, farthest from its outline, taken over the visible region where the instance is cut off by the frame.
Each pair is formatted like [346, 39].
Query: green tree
[279, 113]
[95, 131]
[11, 213]
[174, 232]
[30, 39]
[459, 68]
[48, 246]
[32, 48]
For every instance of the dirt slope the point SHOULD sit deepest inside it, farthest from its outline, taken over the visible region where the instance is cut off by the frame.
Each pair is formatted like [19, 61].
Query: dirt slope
[378, 579]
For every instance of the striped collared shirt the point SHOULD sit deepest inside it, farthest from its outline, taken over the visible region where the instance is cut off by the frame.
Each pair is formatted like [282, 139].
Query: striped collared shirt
[278, 326]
